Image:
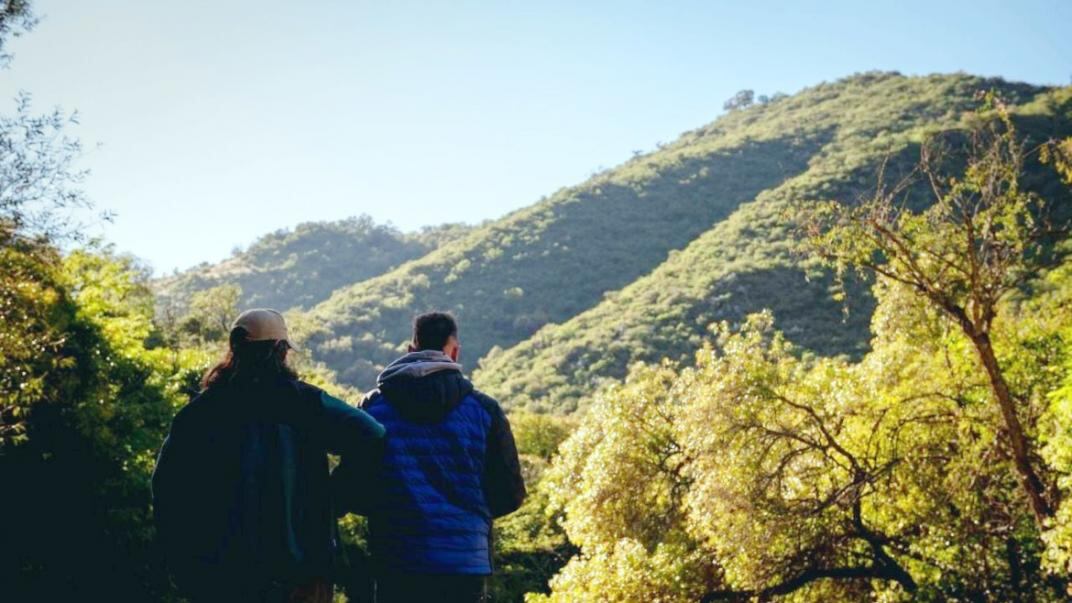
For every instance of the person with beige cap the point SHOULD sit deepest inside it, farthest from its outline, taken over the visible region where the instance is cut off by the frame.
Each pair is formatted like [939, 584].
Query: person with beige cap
[241, 491]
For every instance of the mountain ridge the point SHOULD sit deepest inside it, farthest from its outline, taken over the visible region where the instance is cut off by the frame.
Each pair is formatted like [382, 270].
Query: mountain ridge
[632, 264]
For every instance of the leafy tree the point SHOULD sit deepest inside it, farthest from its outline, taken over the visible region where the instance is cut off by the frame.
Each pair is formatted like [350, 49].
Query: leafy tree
[211, 314]
[808, 470]
[1060, 153]
[38, 183]
[769, 475]
[32, 299]
[16, 18]
[741, 100]
[539, 436]
[773, 474]
[619, 487]
[980, 241]
[82, 418]
[83, 401]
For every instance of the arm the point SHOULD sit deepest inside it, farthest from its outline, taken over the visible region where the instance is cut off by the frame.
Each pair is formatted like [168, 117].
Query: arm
[348, 431]
[353, 481]
[504, 488]
[174, 496]
[164, 488]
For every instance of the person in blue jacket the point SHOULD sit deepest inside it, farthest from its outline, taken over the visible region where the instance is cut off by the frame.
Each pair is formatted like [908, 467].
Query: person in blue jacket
[241, 490]
[449, 467]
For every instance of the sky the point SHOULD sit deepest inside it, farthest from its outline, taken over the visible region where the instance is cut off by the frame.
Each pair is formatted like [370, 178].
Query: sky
[209, 123]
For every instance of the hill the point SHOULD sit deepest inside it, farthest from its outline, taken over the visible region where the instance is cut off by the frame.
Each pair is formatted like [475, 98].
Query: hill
[748, 262]
[300, 267]
[554, 260]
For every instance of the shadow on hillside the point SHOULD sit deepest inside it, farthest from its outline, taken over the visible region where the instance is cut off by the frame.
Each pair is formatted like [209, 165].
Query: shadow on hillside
[803, 307]
[556, 259]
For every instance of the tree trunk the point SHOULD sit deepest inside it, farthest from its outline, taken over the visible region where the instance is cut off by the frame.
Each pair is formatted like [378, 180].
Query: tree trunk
[1021, 448]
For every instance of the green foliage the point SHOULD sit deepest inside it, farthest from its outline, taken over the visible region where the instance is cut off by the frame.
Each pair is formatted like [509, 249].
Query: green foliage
[769, 475]
[1052, 307]
[207, 320]
[16, 18]
[530, 546]
[741, 100]
[894, 477]
[978, 242]
[1060, 153]
[33, 312]
[301, 267]
[558, 258]
[84, 402]
[539, 436]
[39, 185]
[84, 406]
[749, 261]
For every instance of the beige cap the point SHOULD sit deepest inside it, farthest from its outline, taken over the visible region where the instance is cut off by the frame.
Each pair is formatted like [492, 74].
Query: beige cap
[263, 324]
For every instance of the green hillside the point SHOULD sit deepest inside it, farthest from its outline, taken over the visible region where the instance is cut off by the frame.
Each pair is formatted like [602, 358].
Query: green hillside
[552, 261]
[300, 267]
[749, 261]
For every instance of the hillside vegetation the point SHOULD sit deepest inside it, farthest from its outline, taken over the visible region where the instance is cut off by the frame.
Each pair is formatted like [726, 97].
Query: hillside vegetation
[748, 262]
[932, 468]
[556, 258]
[553, 261]
[302, 266]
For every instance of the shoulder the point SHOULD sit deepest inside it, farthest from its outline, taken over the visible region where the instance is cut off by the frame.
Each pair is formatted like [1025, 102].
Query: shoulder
[370, 399]
[306, 390]
[323, 401]
[197, 411]
[489, 404]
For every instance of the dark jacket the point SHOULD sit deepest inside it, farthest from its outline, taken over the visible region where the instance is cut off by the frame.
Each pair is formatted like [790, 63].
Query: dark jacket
[449, 467]
[241, 488]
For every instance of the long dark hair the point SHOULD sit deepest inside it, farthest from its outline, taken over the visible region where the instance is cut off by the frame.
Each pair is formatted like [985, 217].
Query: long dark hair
[250, 362]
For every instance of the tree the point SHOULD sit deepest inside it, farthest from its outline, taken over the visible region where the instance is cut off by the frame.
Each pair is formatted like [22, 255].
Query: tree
[31, 298]
[1060, 153]
[84, 405]
[814, 456]
[16, 18]
[38, 182]
[757, 474]
[210, 314]
[619, 486]
[980, 241]
[741, 100]
[39, 185]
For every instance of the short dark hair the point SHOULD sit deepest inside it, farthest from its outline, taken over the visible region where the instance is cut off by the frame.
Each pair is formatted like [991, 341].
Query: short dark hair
[431, 330]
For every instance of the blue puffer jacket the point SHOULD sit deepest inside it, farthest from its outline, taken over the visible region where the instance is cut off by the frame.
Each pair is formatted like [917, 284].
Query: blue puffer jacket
[449, 467]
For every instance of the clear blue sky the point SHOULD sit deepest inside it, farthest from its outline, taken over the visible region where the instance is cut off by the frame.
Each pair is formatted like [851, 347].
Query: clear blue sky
[222, 120]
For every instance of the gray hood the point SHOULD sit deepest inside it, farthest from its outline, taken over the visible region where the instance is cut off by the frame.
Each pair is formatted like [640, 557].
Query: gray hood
[415, 365]
[424, 386]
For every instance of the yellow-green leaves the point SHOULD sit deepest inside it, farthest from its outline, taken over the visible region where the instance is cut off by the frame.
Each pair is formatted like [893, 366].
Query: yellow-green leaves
[769, 474]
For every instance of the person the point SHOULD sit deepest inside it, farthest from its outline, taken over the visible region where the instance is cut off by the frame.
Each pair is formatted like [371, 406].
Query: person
[241, 489]
[449, 467]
